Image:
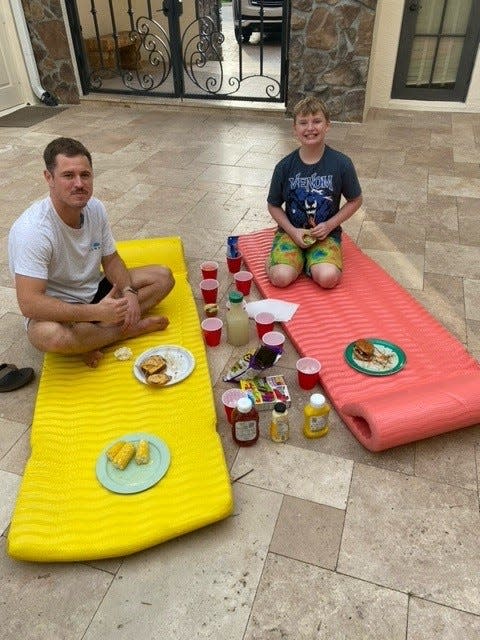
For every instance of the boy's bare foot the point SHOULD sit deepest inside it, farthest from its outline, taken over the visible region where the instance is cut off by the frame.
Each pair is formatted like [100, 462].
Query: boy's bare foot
[92, 358]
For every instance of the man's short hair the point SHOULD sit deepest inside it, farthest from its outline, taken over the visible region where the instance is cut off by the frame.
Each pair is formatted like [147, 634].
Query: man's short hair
[309, 106]
[66, 147]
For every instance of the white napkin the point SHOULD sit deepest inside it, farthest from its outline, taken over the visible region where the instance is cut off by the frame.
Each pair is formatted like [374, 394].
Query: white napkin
[282, 310]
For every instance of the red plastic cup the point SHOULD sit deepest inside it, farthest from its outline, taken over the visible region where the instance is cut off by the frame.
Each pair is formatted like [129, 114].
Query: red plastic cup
[230, 399]
[209, 269]
[264, 322]
[212, 331]
[234, 264]
[274, 339]
[308, 370]
[243, 281]
[209, 289]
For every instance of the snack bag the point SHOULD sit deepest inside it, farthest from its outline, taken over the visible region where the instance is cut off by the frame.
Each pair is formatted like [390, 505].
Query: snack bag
[250, 364]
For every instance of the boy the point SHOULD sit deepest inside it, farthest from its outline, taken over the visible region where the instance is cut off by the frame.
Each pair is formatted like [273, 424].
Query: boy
[309, 183]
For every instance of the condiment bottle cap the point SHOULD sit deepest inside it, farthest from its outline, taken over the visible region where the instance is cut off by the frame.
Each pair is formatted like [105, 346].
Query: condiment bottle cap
[317, 400]
[235, 296]
[244, 405]
[280, 407]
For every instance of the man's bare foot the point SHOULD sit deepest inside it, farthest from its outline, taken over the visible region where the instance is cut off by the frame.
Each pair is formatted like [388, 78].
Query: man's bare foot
[148, 325]
[92, 358]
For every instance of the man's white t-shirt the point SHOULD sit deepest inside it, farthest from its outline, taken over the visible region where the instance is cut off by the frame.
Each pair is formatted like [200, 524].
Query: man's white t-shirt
[41, 245]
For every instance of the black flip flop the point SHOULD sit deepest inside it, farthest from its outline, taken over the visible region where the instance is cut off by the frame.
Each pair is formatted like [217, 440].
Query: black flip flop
[11, 377]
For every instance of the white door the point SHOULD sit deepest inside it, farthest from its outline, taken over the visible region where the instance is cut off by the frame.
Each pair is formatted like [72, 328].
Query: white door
[10, 89]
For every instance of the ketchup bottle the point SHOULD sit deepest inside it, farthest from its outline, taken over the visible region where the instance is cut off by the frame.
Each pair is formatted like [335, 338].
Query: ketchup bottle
[245, 421]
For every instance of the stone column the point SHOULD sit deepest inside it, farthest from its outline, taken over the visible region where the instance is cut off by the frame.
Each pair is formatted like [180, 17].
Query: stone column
[50, 47]
[330, 48]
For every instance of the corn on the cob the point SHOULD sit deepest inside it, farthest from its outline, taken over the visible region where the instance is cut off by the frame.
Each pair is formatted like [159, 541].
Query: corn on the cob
[142, 455]
[124, 456]
[114, 449]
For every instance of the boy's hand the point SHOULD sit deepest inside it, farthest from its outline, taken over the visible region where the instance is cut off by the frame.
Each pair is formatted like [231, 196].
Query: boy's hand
[320, 231]
[297, 237]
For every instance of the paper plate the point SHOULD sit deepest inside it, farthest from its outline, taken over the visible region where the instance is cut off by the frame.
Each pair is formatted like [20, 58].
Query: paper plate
[395, 358]
[135, 477]
[180, 363]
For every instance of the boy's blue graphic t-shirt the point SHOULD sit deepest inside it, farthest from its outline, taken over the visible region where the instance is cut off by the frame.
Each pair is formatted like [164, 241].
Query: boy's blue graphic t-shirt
[311, 192]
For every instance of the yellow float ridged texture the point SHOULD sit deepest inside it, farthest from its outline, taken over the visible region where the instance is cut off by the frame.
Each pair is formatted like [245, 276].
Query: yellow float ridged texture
[62, 512]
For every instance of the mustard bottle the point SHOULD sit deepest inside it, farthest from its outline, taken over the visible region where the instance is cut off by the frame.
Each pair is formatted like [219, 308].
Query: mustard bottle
[279, 426]
[316, 417]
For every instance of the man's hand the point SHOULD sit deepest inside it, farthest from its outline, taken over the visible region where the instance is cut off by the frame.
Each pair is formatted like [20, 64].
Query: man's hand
[112, 309]
[133, 315]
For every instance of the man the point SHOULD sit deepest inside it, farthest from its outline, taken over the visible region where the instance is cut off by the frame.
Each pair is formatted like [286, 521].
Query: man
[57, 248]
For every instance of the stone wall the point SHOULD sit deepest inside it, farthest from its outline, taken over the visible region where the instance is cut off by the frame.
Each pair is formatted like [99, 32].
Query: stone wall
[50, 48]
[330, 44]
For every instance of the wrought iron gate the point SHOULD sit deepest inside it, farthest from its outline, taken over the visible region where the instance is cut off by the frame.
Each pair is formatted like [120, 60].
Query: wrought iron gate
[170, 48]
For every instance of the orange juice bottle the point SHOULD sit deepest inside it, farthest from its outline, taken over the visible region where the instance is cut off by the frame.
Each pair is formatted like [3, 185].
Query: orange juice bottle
[316, 412]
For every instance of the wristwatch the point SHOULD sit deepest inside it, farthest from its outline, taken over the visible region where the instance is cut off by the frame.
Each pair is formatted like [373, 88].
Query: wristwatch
[130, 290]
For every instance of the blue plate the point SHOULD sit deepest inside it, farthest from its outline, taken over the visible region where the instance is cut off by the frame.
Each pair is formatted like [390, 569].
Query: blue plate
[135, 477]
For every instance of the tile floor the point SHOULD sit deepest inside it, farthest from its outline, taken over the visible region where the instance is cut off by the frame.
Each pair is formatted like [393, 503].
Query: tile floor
[388, 550]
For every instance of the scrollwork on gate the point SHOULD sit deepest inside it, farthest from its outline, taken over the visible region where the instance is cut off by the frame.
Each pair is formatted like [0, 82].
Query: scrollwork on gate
[152, 71]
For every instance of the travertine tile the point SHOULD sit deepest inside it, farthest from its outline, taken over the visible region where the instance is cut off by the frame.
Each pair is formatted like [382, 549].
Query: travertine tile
[449, 458]
[427, 620]
[295, 472]
[298, 601]
[382, 236]
[443, 297]
[202, 584]
[309, 532]
[405, 268]
[10, 483]
[420, 539]
[412, 520]
[456, 260]
[57, 600]
[448, 185]
[472, 298]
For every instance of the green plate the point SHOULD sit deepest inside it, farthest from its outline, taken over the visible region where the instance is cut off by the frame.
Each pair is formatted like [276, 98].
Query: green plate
[135, 477]
[396, 359]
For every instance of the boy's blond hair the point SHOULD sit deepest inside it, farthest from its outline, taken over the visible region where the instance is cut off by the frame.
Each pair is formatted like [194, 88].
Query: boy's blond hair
[309, 106]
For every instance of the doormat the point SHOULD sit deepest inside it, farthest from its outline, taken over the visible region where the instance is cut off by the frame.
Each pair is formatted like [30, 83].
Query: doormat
[29, 116]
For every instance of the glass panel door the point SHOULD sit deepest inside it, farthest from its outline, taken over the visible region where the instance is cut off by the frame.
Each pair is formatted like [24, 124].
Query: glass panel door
[437, 49]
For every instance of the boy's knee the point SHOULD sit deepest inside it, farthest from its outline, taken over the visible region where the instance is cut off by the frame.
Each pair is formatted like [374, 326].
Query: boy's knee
[327, 278]
[280, 278]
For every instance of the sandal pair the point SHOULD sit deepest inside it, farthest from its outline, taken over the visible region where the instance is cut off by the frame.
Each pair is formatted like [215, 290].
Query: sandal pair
[11, 377]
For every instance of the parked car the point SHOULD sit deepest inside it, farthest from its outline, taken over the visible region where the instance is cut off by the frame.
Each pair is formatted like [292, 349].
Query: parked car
[256, 15]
